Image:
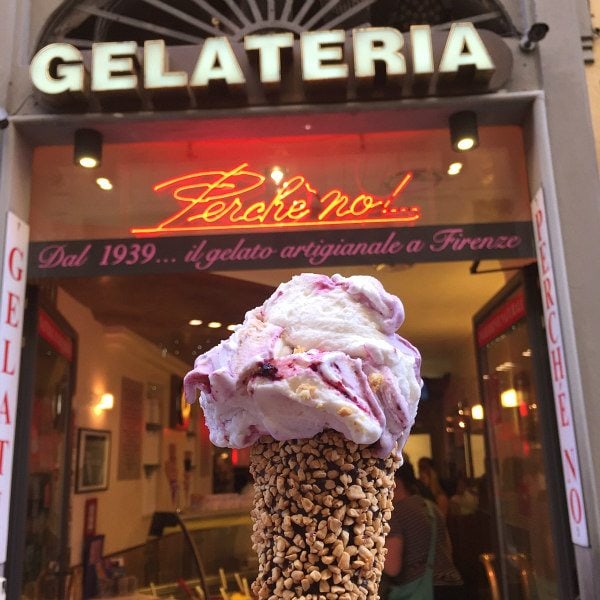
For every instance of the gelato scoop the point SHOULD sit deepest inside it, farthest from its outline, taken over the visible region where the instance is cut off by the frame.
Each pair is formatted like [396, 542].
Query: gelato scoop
[320, 354]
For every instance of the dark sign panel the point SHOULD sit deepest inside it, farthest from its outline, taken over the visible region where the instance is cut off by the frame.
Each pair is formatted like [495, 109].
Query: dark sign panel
[308, 249]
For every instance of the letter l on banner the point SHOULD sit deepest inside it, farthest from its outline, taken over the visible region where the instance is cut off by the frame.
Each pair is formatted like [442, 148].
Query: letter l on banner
[560, 383]
[12, 305]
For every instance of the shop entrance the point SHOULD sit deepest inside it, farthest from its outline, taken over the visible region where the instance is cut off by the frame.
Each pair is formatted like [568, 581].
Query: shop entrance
[139, 334]
[169, 243]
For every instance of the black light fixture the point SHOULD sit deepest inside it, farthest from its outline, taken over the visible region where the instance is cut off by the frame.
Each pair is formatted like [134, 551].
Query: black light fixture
[87, 148]
[464, 135]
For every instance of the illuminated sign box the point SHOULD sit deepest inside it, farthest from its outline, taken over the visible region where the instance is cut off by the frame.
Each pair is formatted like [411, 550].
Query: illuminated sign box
[278, 67]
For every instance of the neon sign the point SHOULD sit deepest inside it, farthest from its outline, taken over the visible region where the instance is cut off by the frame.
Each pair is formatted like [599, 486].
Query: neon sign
[240, 199]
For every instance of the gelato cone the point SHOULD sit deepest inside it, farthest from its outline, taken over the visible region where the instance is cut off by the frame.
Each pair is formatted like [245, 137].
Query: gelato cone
[321, 511]
[325, 391]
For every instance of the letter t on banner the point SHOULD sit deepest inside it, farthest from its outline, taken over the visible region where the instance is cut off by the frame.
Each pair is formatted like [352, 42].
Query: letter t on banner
[560, 384]
[12, 305]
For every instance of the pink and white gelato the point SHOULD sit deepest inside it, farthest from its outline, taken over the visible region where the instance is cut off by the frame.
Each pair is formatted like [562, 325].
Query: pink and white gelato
[320, 353]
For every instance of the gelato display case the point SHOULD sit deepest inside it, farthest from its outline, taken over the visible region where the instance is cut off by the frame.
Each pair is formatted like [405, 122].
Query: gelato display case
[189, 553]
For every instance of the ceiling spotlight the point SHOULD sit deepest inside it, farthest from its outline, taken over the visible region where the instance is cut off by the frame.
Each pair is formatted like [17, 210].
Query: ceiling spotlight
[231, 327]
[463, 131]
[214, 324]
[455, 168]
[195, 322]
[87, 148]
[104, 184]
[276, 174]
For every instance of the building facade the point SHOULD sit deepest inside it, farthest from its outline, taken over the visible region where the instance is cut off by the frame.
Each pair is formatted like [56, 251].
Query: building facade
[331, 93]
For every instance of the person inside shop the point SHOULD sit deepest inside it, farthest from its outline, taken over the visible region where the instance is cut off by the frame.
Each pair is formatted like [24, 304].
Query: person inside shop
[465, 499]
[418, 564]
[430, 479]
[421, 488]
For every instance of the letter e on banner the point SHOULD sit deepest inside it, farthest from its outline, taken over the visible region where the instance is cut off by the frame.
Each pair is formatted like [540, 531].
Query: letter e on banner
[12, 305]
[560, 383]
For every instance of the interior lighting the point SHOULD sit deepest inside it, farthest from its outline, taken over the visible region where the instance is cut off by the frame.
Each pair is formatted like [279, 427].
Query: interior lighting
[464, 134]
[509, 398]
[195, 322]
[214, 325]
[106, 402]
[231, 327]
[276, 174]
[87, 148]
[455, 168]
[477, 412]
[505, 366]
[104, 184]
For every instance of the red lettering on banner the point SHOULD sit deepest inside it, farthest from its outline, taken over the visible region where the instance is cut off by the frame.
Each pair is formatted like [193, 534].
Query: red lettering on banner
[16, 273]
[5, 367]
[11, 309]
[571, 462]
[560, 386]
[228, 200]
[539, 220]
[544, 258]
[558, 369]
[548, 298]
[11, 324]
[2, 444]
[5, 409]
[564, 412]
[552, 326]
[575, 505]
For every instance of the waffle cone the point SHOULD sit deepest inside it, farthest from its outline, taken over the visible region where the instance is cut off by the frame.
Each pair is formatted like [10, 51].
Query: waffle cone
[321, 511]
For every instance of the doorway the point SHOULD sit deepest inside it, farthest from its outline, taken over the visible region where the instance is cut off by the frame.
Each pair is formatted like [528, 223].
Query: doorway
[135, 330]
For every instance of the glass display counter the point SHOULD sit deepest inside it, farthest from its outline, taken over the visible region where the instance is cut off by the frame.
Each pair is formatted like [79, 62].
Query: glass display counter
[185, 553]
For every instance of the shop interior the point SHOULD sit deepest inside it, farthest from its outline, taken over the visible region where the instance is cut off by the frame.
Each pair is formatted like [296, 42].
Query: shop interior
[137, 335]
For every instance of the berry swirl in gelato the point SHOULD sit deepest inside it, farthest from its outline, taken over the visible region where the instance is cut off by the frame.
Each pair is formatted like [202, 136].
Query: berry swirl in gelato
[320, 353]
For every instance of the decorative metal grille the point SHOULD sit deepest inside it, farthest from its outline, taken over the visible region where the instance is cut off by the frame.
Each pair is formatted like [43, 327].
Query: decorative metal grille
[82, 22]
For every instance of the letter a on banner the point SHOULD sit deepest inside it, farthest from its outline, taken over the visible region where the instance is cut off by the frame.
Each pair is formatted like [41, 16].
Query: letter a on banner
[560, 384]
[11, 331]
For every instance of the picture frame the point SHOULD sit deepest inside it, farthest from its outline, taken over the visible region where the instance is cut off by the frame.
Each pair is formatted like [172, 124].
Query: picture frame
[93, 460]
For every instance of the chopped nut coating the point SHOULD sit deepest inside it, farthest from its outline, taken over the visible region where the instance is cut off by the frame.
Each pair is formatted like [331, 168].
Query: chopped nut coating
[321, 510]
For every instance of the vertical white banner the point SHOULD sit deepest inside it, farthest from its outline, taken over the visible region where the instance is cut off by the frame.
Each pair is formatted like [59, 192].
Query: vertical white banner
[560, 383]
[12, 307]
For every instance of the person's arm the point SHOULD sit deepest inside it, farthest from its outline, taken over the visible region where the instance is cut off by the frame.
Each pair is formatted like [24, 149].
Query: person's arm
[443, 503]
[393, 558]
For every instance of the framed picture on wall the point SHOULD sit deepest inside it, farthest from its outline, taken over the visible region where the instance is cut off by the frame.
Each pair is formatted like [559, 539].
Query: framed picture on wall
[93, 460]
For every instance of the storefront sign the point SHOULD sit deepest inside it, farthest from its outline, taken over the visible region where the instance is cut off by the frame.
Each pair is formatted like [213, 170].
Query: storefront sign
[560, 383]
[54, 335]
[239, 199]
[511, 312]
[435, 243]
[11, 330]
[279, 67]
